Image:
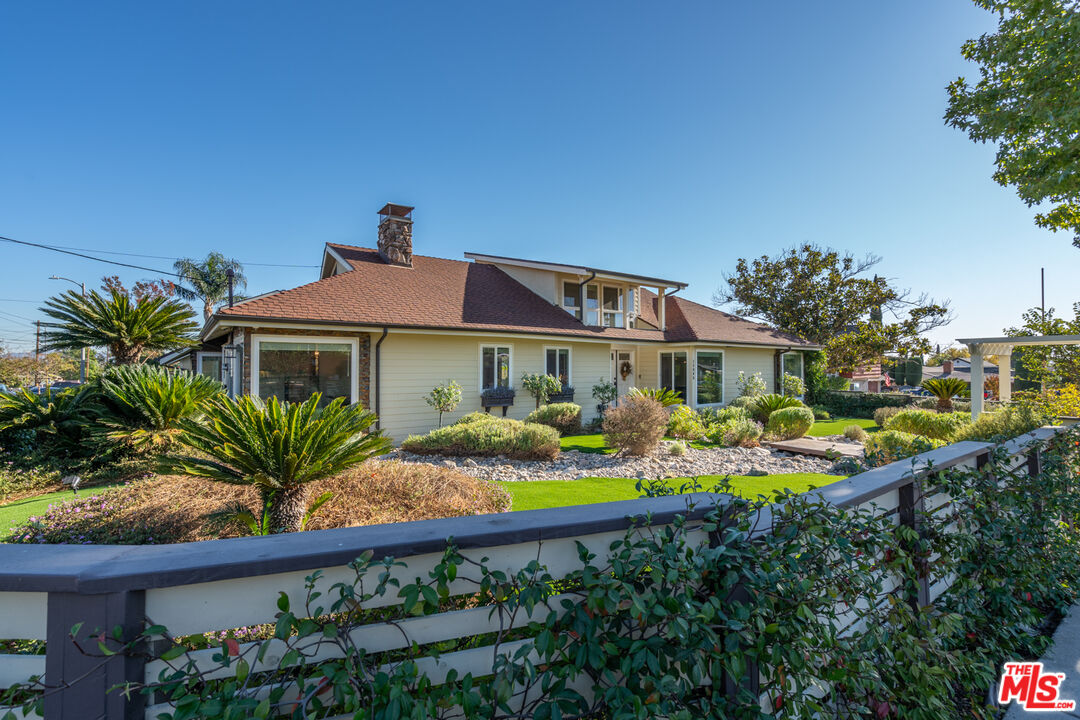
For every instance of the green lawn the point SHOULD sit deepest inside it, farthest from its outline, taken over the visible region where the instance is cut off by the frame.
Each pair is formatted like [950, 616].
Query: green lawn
[585, 443]
[560, 493]
[16, 512]
[836, 426]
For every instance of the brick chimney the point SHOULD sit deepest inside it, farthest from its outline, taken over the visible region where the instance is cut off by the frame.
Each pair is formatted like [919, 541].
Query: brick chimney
[395, 234]
[946, 367]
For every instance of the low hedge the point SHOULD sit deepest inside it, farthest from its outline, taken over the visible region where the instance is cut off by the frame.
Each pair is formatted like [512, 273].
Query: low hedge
[939, 426]
[889, 446]
[1007, 423]
[861, 405]
[482, 435]
[564, 417]
[790, 423]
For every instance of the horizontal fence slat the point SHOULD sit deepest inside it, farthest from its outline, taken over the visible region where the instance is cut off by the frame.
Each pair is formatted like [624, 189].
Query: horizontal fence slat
[23, 615]
[19, 669]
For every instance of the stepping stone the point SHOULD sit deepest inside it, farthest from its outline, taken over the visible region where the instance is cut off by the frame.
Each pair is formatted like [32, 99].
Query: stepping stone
[817, 448]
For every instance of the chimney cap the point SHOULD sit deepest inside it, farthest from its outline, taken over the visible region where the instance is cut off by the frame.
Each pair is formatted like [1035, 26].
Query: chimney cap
[399, 211]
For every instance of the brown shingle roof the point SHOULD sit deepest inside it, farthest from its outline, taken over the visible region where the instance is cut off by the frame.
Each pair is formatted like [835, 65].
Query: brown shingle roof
[459, 295]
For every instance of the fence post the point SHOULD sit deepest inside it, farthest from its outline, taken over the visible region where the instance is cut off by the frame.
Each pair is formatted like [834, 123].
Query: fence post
[910, 510]
[751, 681]
[79, 681]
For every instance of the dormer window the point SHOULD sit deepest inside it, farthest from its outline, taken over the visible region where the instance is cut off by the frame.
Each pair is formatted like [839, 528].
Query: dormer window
[613, 307]
[571, 301]
[592, 304]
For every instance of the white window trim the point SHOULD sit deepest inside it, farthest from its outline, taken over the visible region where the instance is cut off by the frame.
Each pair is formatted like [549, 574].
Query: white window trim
[574, 310]
[199, 358]
[802, 364]
[543, 361]
[354, 345]
[622, 305]
[723, 376]
[480, 363]
[690, 386]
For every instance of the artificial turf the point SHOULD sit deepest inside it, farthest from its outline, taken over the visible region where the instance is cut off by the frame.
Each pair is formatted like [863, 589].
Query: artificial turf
[532, 495]
[836, 426]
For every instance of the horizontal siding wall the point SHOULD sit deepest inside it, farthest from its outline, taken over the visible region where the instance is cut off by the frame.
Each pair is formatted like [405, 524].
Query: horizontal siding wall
[749, 361]
[412, 364]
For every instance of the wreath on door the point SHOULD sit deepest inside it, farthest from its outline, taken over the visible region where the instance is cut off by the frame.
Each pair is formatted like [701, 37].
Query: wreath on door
[625, 369]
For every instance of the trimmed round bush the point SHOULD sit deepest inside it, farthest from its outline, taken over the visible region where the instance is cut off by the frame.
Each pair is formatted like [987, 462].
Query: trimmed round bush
[718, 416]
[820, 413]
[487, 436]
[564, 417]
[856, 433]
[743, 401]
[766, 405]
[882, 414]
[889, 446]
[1005, 424]
[636, 426]
[939, 426]
[685, 424]
[677, 448]
[790, 422]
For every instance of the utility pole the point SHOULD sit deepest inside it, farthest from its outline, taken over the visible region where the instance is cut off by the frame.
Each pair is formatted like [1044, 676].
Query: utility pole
[37, 351]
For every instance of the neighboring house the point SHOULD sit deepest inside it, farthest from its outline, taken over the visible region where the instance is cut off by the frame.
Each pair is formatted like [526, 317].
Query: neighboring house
[959, 368]
[867, 378]
[382, 326]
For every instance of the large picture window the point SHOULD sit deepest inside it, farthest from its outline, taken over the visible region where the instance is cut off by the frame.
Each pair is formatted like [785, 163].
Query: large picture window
[710, 377]
[292, 369]
[673, 372]
[557, 361]
[494, 366]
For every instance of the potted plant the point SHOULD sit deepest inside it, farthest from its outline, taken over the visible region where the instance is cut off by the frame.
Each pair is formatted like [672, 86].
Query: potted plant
[540, 387]
[497, 397]
[605, 393]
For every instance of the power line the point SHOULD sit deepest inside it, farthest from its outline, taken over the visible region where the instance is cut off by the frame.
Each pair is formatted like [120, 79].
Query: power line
[167, 257]
[89, 257]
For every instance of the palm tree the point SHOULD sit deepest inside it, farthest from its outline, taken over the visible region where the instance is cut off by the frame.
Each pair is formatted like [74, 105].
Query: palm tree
[278, 447]
[209, 279]
[944, 389]
[128, 328]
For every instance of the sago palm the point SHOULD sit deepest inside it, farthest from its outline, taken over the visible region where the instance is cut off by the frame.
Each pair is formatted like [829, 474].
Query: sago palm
[209, 279]
[665, 397]
[278, 447]
[58, 418]
[128, 328]
[146, 403]
[944, 389]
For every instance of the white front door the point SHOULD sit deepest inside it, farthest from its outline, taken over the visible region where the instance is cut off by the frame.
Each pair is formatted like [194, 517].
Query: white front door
[623, 369]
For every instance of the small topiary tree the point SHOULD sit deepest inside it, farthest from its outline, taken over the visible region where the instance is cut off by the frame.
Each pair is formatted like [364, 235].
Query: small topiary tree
[444, 398]
[605, 393]
[636, 425]
[540, 387]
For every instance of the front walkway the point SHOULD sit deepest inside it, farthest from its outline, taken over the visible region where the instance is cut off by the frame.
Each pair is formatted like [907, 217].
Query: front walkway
[1063, 656]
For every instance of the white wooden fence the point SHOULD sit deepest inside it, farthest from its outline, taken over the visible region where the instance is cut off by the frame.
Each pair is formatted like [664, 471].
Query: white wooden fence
[225, 584]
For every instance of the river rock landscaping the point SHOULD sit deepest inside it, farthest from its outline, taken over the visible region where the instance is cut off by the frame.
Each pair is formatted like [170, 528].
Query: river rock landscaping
[573, 465]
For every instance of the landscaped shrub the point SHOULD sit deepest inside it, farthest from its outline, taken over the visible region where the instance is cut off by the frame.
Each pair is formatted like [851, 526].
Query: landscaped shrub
[717, 416]
[16, 482]
[1003, 424]
[889, 446]
[856, 433]
[743, 401]
[541, 387]
[789, 423]
[766, 405]
[486, 437]
[861, 404]
[792, 385]
[51, 429]
[636, 425]
[738, 433]
[100, 519]
[750, 385]
[1056, 402]
[677, 448]
[929, 403]
[475, 417]
[145, 404]
[820, 413]
[667, 398]
[882, 414]
[944, 389]
[564, 417]
[685, 424]
[939, 426]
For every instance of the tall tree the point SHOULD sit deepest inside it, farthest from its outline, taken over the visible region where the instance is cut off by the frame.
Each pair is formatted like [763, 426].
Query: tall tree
[1052, 365]
[1028, 102]
[128, 328]
[828, 298]
[209, 280]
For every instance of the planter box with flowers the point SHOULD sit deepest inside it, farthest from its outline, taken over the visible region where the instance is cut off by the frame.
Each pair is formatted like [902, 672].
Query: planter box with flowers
[565, 395]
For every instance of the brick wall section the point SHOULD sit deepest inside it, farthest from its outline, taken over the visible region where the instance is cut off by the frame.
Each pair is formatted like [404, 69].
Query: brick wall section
[363, 349]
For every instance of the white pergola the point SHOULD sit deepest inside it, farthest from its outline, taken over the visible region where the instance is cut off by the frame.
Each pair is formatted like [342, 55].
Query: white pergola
[1003, 347]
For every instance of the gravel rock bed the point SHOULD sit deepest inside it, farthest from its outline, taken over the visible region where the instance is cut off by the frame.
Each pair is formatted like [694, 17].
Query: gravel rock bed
[573, 465]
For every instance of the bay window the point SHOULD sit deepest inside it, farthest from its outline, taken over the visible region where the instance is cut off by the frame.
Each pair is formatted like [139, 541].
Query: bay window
[293, 368]
[673, 372]
[494, 366]
[710, 377]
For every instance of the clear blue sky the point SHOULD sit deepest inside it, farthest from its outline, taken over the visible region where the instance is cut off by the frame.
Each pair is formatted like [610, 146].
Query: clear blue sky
[660, 138]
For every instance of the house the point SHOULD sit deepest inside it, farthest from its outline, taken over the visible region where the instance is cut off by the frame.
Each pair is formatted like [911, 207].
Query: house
[866, 378]
[382, 326]
[959, 368]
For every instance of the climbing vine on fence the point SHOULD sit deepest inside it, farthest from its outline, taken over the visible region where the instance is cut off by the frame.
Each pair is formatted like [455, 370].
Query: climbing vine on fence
[790, 609]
